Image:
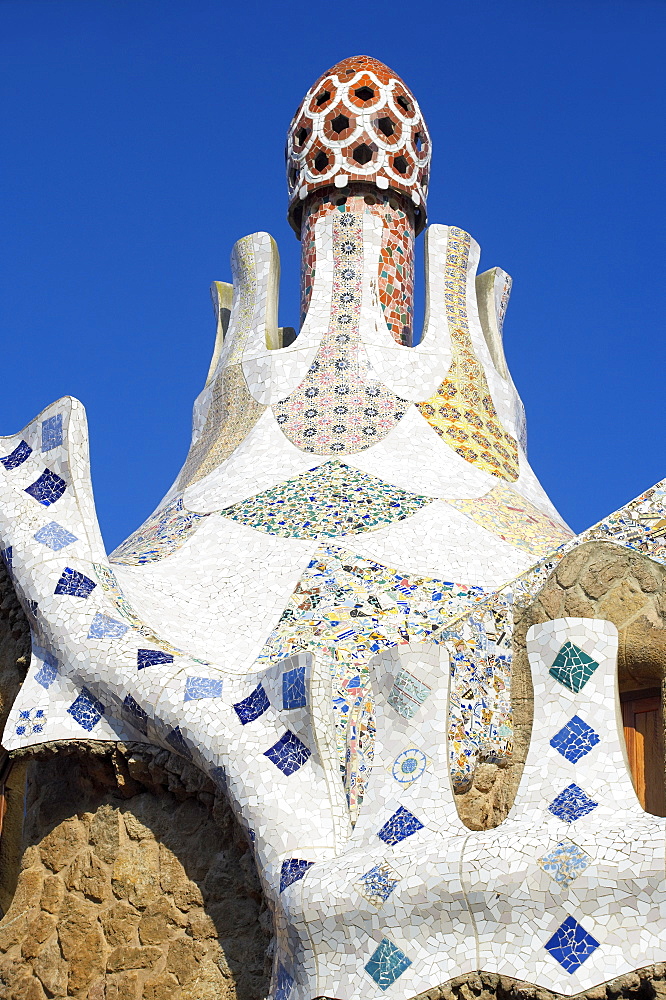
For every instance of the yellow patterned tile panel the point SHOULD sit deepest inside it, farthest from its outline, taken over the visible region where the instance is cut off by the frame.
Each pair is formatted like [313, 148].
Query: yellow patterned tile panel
[515, 520]
[462, 410]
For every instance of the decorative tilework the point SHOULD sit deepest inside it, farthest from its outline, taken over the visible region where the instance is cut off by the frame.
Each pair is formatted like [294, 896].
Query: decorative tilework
[293, 688]
[104, 627]
[284, 985]
[571, 804]
[573, 667]
[387, 962]
[74, 584]
[515, 520]
[331, 499]
[7, 556]
[114, 591]
[48, 671]
[378, 884]
[292, 870]
[55, 536]
[565, 862]
[135, 714]
[48, 488]
[571, 945]
[18, 456]
[407, 694]
[177, 742]
[575, 739]
[409, 765]
[31, 722]
[151, 658]
[253, 706]
[52, 432]
[197, 688]
[462, 410]
[402, 824]
[163, 533]
[86, 709]
[288, 754]
[340, 407]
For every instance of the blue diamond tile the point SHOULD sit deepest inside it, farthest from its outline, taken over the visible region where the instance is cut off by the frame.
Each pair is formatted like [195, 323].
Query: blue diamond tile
[386, 963]
[104, 627]
[292, 870]
[253, 706]
[575, 739]
[197, 688]
[52, 432]
[48, 488]
[48, 671]
[7, 556]
[288, 754]
[176, 740]
[571, 945]
[378, 884]
[293, 688]
[151, 658]
[571, 804]
[86, 709]
[135, 715]
[17, 457]
[565, 862]
[55, 536]
[401, 824]
[285, 983]
[572, 667]
[74, 584]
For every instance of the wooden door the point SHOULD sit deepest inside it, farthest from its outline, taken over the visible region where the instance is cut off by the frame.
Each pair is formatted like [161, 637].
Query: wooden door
[643, 720]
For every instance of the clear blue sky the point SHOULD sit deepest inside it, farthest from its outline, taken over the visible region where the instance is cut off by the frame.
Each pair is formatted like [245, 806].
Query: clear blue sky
[143, 137]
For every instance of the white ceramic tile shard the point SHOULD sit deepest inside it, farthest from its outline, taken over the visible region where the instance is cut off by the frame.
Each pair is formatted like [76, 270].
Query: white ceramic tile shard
[319, 613]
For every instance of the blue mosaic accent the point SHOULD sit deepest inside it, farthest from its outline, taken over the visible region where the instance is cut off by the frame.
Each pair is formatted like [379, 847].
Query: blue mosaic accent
[407, 695]
[293, 688]
[55, 536]
[31, 722]
[86, 709]
[7, 556]
[52, 432]
[401, 825]
[151, 658]
[219, 776]
[48, 671]
[575, 739]
[571, 945]
[104, 627]
[571, 804]
[74, 584]
[21, 452]
[285, 983]
[135, 714]
[48, 488]
[409, 765]
[378, 884]
[386, 964]
[565, 862]
[176, 740]
[253, 706]
[292, 870]
[289, 754]
[572, 667]
[202, 687]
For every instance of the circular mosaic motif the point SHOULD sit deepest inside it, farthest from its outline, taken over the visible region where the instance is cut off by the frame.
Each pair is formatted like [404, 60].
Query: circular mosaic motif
[409, 765]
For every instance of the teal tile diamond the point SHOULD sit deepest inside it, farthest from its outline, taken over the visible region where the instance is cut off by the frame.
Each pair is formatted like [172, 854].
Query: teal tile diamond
[386, 964]
[572, 667]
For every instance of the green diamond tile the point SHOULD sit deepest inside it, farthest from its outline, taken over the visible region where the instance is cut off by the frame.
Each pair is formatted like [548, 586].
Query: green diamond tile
[572, 667]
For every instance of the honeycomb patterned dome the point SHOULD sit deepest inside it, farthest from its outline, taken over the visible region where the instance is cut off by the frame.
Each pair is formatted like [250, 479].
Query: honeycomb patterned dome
[358, 123]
